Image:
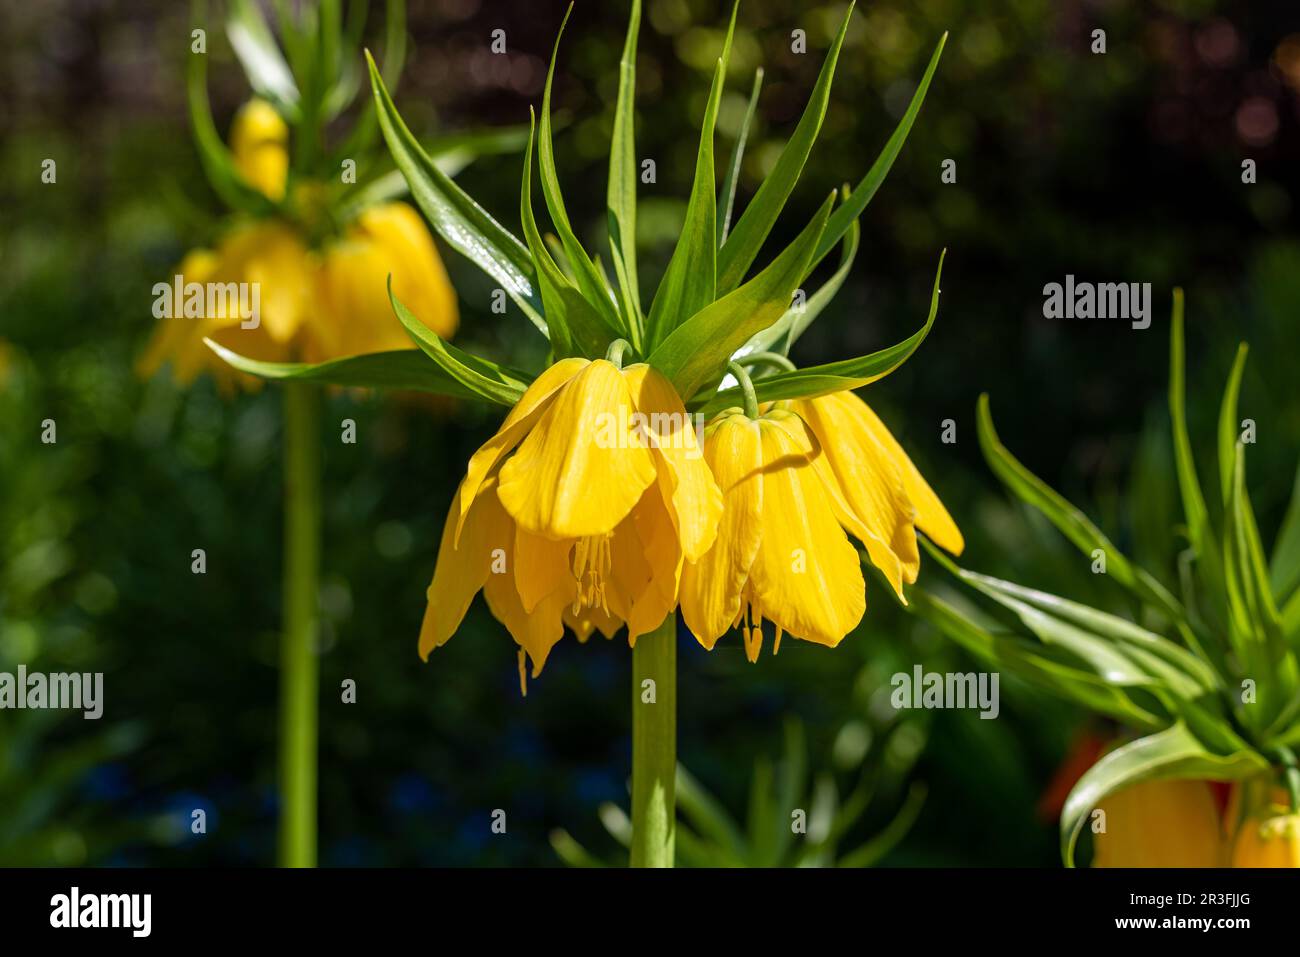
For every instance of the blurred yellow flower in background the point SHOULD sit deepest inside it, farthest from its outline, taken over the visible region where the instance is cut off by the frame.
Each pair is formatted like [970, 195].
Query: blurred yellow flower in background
[317, 301]
[1161, 823]
[1270, 839]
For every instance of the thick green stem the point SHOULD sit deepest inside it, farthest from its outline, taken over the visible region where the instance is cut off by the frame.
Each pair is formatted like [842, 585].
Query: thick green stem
[654, 746]
[298, 662]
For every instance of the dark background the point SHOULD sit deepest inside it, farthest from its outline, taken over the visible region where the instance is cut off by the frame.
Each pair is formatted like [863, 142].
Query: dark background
[1117, 167]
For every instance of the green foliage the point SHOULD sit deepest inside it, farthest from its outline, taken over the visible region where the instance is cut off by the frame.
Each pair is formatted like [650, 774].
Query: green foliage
[795, 817]
[703, 313]
[1213, 684]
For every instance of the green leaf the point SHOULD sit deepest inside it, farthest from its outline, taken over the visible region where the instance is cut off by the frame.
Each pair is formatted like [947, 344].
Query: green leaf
[833, 376]
[1228, 423]
[865, 190]
[695, 355]
[867, 854]
[1198, 520]
[621, 192]
[727, 200]
[464, 224]
[400, 369]
[482, 377]
[217, 161]
[1174, 753]
[1155, 655]
[264, 64]
[708, 816]
[1072, 523]
[1284, 569]
[1044, 667]
[745, 241]
[783, 333]
[690, 282]
[570, 852]
[575, 327]
[584, 271]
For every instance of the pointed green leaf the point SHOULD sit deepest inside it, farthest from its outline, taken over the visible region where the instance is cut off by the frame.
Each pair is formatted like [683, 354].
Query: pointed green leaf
[1072, 523]
[576, 328]
[1228, 423]
[783, 333]
[1284, 568]
[1045, 667]
[399, 369]
[1174, 753]
[695, 355]
[690, 282]
[584, 271]
[833, 376]
[464, 224]
[1198, 520]
[727, 201]
[621, 193]
[217, 161]
[742, 246]
[268, 73]
[865, 190]
[482, 377]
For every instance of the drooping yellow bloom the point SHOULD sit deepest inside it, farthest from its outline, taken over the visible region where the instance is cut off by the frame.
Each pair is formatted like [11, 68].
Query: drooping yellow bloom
[1160, 824]
[1268, 840]
[314, 302]
[796, 483]
[581, 510]
[259, 140]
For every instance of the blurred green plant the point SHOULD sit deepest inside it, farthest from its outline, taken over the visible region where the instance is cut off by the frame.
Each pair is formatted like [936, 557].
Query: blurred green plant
[1208, 676]
[796, 816]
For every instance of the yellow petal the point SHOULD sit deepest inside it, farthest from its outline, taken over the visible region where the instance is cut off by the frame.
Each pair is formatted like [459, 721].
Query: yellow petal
[174, 337]
[870, 478]
[806, 576]
[658, 542]
[483, 553]
[589, 620]
[419, 278]
[259, 140]
[538, 631]
[273, 256]
[1160, 824]
[542, 565]
[535, 400]
[581, 468]
[711, 588]
[931, 517]
[358, 315]
[882, 555]
[687, 485]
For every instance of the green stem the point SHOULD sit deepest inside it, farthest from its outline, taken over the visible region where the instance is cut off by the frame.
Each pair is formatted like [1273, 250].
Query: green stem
[654, 746]
[746, 387]
[298, 662]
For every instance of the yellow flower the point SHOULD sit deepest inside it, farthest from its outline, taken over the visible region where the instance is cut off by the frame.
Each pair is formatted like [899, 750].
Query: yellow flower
[259, 140]
[794, 481]
[313, 304]
[179, 340]
[581, 510]
[354, 284]
[1268, 840]
[1160, 824]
